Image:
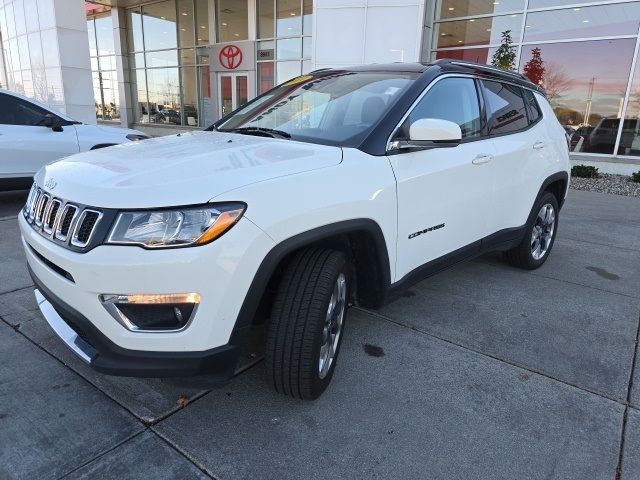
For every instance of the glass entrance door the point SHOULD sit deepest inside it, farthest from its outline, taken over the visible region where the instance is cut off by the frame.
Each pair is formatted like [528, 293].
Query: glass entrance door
[232, 91]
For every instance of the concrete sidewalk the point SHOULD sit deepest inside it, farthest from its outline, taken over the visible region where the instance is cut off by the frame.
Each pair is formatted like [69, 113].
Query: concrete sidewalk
[483, 371]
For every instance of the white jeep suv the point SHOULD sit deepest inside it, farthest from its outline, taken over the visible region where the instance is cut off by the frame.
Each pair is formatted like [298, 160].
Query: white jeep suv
[339, 187]
[32, 135]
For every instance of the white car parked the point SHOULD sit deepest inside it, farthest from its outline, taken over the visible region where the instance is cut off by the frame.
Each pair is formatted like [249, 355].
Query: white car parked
[336, 188]
[33, 135]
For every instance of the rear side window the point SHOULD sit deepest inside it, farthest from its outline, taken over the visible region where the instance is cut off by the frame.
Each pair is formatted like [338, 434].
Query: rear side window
[505, 107]
[14, 111]
[453, 99]
[534, 108]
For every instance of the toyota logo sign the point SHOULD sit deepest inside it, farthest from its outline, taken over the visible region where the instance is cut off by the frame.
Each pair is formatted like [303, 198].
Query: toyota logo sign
[230, 57]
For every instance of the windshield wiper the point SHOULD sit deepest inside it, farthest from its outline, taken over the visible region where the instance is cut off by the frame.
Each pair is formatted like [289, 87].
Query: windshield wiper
[271, 132]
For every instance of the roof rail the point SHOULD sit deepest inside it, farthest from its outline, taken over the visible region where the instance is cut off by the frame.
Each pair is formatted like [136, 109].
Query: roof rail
[481, 66]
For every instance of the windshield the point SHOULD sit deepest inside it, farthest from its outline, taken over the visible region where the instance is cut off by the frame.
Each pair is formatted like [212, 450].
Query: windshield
[337, 108]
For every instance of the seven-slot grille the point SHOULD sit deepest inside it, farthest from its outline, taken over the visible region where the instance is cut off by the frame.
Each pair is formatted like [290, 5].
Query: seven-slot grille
[58, 219]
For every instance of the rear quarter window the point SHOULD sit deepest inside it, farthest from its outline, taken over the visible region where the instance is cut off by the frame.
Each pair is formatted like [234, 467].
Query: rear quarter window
[506, 110]
[534, 109]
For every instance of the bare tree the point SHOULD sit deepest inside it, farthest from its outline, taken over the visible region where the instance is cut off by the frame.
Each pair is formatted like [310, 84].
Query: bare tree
[555, 81]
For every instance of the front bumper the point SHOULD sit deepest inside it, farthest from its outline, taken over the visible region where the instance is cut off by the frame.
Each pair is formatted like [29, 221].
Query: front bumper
[88, 343]
[221, 273]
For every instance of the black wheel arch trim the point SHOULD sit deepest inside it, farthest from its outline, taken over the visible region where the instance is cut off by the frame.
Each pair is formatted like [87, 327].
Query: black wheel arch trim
[278, 253]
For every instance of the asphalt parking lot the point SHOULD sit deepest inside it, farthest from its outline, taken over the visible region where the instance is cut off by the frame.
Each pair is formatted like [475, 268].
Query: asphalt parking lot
[481, 372]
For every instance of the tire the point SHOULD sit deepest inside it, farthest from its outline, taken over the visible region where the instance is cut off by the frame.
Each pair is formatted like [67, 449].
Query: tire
[539, 236]
[313, 280]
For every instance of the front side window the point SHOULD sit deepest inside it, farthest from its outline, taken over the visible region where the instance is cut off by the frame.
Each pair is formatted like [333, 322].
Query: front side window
[453, 99]
[338, 108]
[505, 107]
[14, 111]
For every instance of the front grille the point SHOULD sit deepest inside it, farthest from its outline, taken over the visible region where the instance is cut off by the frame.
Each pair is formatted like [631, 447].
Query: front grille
[68, 214]
[70, 224]
[84, 227]
[51, 216]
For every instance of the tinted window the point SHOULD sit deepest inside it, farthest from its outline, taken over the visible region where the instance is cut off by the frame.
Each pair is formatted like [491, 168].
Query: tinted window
[453, 99]
[14, 111]
[505, 108]
[534, 108]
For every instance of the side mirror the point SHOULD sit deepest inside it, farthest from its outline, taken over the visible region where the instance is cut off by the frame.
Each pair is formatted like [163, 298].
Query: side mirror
[435, 130]
[429, 133]
[51, 121]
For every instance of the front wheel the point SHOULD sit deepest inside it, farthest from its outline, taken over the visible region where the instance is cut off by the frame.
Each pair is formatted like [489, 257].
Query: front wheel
[307, 322]
[539, 237]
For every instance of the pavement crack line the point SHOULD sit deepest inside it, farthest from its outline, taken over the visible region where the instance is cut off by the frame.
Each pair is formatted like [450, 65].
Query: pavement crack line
[184, 453]
[16, 290]
[625, 416]
[103, 453]
[497, 358]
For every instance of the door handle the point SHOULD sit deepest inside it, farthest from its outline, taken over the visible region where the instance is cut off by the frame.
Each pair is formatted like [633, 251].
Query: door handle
[538, 145]
[481, 159]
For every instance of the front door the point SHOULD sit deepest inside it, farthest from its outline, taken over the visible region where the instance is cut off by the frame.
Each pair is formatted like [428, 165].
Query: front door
[233, 91]
[444, 194]
[26, 145]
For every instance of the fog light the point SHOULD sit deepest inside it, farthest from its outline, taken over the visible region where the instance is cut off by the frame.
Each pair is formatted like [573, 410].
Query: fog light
[152, 312]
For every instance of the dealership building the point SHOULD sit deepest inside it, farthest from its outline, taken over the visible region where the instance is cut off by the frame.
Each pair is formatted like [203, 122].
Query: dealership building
[167, 65]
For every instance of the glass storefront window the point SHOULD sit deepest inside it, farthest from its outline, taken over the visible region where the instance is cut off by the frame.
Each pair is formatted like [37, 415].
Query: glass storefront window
[586, 95]
[475, 31]
[287, 70]
[289, 49]
[134, 30]
[202, 22]
[163, 58]
[289, 18]
[465, 8]
[190, 111]
[232, 20]
[159, 23]
[266, 18]
[266, 76]
[164, 95]
[103, 65]
[478, 55]
[186, 18]
[556, 3]
[104, 35]
[140, 102]
[630, 137]
[307, 17]
[582, 22]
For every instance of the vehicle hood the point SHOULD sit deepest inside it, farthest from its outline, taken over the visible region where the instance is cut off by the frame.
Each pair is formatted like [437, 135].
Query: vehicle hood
[183, 169]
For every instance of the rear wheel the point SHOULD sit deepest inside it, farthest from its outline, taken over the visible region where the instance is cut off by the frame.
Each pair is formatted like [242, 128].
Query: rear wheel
[307, 322]
[539, 237]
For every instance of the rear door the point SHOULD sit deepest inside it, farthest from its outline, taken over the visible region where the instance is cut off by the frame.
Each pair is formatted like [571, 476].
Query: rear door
[444, 193]
[519, 145]
[25, 145]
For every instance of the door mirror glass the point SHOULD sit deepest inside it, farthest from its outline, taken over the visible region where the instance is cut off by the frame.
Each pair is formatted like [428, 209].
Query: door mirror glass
[434, 130]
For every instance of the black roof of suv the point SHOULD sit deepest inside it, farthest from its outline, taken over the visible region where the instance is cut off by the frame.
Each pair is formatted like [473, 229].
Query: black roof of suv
[445, 66]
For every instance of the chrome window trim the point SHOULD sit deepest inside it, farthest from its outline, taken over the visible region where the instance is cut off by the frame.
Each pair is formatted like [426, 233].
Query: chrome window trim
[74, 237]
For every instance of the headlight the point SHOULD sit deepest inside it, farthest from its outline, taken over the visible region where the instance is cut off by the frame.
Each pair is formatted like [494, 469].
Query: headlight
[175, 228]
[134, 137]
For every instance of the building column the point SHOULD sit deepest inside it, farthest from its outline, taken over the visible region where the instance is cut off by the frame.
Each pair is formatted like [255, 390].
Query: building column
[119, 18]
[46, 50]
